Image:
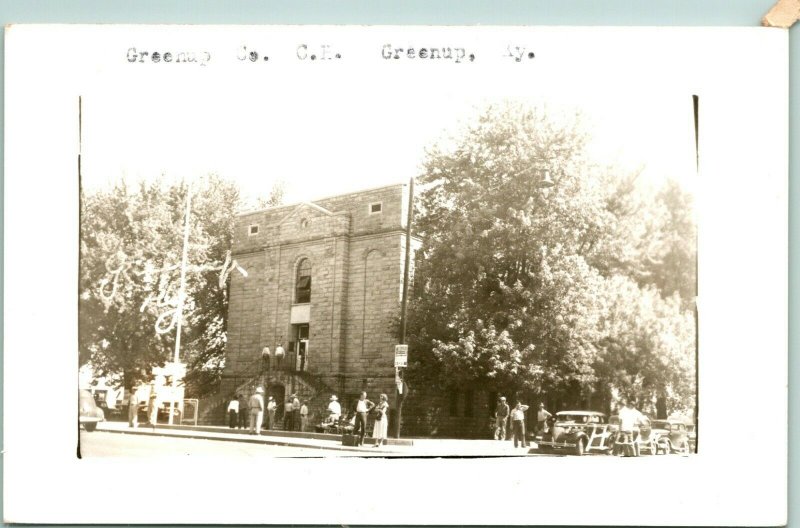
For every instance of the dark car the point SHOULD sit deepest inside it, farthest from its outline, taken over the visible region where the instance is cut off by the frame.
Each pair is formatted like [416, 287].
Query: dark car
[691, 429]
[671, 436]
[163, 413]
[576, 432]
[89, 414]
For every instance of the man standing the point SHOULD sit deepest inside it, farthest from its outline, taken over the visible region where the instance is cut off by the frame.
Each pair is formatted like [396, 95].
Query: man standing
[288, 424]
[133, 409]
[243, 412]
[256, 406]
[629, 418]
[363, 406]
[334, 409]
[152, 407]
[233, 412]
[295, 413]
[518, 424]
[541, 420]
[303, 417]
[271, 407]
[501, 416]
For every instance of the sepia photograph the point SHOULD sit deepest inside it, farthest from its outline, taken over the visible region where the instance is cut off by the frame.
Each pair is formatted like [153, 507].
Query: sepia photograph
[523, 283]
[317, 259]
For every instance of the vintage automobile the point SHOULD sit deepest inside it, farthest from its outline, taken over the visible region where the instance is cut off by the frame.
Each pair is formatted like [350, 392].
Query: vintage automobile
[671, 436]
[89, 414]
[691, 429]
[576, 432]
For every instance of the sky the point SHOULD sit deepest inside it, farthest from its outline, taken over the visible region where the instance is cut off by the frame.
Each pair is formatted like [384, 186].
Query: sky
[340, 139]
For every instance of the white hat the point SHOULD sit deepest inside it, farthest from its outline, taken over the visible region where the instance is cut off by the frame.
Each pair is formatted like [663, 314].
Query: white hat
[259, 391]
[333, 397]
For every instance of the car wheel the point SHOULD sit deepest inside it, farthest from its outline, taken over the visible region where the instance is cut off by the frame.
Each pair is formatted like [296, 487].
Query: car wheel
[666, 446]
[580, 447]
[90, 426]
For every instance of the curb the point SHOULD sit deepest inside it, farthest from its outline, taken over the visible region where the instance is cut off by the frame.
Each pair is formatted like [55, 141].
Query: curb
[263, 439]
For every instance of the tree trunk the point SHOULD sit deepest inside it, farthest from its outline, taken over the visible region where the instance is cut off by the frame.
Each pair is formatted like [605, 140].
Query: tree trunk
[661, 407]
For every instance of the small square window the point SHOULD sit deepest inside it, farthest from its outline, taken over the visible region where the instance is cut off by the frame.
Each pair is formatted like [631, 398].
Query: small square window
[252, 230]
[375, 207]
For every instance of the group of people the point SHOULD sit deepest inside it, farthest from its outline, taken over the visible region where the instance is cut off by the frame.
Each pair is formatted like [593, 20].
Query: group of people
[133, 408]
[241, 408]
[503, 412]
[358, 421]
[295, 414]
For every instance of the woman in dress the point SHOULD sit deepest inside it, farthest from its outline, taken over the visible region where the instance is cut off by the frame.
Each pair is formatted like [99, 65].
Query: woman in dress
[381, 421]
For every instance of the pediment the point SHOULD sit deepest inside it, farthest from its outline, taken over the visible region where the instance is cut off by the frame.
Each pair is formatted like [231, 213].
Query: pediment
[305, 208]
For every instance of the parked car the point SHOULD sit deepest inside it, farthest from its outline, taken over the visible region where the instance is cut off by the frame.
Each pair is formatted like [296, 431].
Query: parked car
[577, 432]
[89, 414]
[691, 430]
[671, 436]
[163, 414]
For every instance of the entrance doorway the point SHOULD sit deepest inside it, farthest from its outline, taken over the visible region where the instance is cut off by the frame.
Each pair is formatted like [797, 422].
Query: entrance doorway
[301, 347]
[278, 393]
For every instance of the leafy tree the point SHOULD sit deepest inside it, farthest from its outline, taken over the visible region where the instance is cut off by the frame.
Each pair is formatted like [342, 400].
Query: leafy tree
[131, 245]
[516, 283]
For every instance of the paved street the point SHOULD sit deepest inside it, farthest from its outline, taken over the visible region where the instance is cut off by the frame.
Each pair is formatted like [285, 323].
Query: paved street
[108, 444]
[114, 439]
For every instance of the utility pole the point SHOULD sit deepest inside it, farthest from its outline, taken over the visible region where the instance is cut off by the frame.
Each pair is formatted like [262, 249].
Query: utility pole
[181, 295]
[402, 387]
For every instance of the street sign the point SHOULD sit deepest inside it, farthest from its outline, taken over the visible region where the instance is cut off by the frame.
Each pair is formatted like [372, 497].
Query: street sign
[401, 355]
[398, 380]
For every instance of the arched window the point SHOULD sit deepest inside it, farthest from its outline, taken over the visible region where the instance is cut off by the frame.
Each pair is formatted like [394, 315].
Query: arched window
[302, 289]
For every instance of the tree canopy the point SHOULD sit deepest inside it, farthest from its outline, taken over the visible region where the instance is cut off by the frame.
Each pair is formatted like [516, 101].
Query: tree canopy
[131, 245]
[582, 287]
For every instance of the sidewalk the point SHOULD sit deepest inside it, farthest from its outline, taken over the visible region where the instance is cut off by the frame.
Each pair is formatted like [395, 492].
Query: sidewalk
[421, 447]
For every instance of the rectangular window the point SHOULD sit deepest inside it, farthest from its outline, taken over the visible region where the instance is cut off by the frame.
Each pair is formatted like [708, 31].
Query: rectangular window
[454, 403]
[376, 207]
[252, 230]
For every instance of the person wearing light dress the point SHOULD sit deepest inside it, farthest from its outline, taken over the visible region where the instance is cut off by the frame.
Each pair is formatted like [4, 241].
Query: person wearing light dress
[381, 421]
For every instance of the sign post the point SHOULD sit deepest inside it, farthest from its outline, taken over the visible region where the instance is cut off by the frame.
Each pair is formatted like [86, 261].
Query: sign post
[400, 356]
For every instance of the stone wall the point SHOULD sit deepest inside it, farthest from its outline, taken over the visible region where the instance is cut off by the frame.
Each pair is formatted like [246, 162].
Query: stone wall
[357, 259]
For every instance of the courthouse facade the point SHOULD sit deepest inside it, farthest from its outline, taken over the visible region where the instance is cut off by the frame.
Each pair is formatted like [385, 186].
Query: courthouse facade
[318, 310]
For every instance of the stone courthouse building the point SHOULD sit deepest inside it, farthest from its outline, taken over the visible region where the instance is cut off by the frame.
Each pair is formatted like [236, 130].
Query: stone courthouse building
[324, 285]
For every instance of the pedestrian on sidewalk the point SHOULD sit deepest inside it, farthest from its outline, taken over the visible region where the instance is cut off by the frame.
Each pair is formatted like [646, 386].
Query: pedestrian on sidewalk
[541, 420]
[518, 423]
[244, 412]
[501, 418]
[303, 417]
[334, 409]
[256, 406]
[629, 420]
[133, 409]
[287, 415]
[363, 406]
[152, 407]
[271, 407]
[233, 412]
[295, 413]
[265, 358]
[381, 427]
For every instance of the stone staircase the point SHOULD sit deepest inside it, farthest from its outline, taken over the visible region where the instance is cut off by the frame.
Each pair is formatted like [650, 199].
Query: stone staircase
[307, 386]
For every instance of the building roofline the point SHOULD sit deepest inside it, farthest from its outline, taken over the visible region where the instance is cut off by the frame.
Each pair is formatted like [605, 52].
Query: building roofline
[313, 202]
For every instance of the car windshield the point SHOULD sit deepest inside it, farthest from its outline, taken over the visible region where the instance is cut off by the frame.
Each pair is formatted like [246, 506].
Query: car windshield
[660, 425]
[579, 418]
